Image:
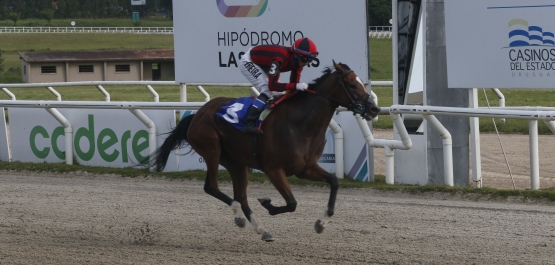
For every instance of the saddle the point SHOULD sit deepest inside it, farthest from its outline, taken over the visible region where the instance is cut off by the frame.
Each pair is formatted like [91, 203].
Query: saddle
[235, 112]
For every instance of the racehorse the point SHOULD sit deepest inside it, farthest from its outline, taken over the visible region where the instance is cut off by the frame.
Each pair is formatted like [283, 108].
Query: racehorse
[292, 142]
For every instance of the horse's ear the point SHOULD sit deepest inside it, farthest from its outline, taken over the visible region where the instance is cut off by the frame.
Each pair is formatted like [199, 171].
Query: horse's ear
[337, 66]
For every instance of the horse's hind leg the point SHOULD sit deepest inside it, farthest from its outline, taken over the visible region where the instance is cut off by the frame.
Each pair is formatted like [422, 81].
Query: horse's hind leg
[211, 183]
[207, 146]
[239, 176]
[239, 206]
[317, 173]
[280, 182]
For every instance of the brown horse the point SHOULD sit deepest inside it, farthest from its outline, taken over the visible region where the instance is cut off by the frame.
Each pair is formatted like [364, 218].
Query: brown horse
[292, 143]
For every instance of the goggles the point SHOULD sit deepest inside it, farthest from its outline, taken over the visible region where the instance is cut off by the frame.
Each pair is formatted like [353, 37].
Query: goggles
[305, 58]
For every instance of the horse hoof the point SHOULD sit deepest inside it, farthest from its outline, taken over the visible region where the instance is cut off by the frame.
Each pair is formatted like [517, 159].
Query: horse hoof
[268, 237]
[240, 222]
[319, 226]
[264, 201]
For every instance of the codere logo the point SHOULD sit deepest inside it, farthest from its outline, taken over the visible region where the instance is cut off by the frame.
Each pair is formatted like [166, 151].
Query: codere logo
[105, 143]
[242, 11]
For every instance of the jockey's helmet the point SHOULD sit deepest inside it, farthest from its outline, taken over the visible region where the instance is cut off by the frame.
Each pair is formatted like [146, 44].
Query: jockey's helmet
[305, 49]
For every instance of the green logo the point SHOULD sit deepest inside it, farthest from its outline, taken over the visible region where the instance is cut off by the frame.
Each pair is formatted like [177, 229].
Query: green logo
[105, 139]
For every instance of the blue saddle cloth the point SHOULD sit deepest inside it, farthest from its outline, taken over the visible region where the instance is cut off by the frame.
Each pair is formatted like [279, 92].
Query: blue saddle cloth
[236, 112]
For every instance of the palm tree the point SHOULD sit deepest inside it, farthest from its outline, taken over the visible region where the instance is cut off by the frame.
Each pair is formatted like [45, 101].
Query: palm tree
[48, 15]
[14, 16]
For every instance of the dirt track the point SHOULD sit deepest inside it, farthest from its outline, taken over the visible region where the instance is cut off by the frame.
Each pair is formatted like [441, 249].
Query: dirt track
[84, 219]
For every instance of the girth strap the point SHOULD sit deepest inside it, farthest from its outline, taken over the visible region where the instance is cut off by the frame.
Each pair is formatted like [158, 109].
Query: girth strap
[256, 151]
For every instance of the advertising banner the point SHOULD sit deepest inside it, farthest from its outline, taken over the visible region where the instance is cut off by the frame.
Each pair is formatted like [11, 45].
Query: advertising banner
[116, 138]
[211, 36]
[110, 138]
[500, 43]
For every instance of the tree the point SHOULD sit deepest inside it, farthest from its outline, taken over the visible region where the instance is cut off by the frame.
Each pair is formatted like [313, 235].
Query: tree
[48, 15]
[14, 16]
[4, 10]
[68, 8]
[167, 8]
[379, 12]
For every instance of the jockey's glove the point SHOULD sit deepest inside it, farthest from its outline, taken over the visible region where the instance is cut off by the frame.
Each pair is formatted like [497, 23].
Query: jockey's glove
[302, 86]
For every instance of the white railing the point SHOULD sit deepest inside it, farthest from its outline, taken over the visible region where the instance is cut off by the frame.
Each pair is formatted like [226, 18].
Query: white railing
[137, 30]
[380, 28]
[380, 32]
[533, 116]
[52, 105]
[136, 107]
[128, 29]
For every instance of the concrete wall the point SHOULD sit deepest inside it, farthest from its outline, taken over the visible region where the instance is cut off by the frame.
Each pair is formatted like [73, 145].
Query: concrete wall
[133, 74]
[75, 76]
[103, 71]
[35, 75]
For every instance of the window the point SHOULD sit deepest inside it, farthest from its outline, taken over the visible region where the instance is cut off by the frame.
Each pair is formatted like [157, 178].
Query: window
[86, 68]
[122, 68]
[25, 70]
[48, 69]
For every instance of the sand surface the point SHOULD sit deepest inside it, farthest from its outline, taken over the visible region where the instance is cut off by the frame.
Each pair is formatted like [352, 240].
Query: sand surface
[80, 218]
[87, 219]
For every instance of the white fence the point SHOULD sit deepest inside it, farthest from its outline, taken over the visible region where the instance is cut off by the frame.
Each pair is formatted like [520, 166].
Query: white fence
[380, 32]
[137, 30]
[136, 109]
[547, 115]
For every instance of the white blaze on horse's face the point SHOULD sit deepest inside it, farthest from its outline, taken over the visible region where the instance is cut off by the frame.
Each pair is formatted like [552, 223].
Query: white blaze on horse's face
[372, 96]
[360, 81]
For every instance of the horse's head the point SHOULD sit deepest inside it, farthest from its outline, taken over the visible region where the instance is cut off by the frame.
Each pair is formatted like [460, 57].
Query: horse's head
[351, 93]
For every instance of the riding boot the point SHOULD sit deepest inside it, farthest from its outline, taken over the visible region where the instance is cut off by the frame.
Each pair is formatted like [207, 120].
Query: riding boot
[254, 112]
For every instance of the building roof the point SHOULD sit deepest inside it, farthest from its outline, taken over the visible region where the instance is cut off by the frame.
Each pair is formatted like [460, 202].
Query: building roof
[60, 56]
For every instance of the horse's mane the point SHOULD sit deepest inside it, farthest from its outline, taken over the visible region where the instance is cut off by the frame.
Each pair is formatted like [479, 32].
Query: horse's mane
[327, 72]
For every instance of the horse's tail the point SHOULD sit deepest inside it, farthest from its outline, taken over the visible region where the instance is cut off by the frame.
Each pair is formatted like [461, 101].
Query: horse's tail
[176, 138]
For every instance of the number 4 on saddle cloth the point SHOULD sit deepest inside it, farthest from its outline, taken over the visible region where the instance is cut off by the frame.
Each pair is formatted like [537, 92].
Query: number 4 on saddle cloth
[236, 111]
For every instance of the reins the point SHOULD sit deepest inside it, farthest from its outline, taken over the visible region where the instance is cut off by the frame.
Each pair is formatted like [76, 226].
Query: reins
[353, 106]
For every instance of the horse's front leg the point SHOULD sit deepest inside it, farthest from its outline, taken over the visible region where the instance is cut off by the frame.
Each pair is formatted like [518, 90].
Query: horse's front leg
[317, 173]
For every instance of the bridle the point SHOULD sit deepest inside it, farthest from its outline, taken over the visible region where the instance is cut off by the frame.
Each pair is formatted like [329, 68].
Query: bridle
[356, 108]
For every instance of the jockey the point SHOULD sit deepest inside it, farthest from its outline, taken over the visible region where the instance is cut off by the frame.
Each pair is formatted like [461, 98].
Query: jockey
[261, 65]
